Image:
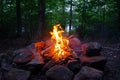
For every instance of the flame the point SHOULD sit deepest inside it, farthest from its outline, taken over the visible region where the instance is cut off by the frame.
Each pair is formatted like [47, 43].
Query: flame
[61, 49]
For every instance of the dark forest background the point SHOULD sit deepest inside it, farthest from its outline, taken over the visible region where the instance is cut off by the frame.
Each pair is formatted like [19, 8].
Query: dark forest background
[33, 19]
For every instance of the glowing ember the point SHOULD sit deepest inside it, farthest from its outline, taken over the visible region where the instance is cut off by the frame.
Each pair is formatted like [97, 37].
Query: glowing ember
[61, 49]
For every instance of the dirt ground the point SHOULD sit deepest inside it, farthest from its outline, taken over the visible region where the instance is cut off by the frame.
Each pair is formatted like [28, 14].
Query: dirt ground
[112, 53]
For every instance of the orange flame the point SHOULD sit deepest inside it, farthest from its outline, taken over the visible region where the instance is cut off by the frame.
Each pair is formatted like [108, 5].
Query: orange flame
[61, 49]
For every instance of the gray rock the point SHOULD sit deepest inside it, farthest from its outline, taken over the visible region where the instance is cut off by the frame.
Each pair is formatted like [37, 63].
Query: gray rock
[47, 66]
[5, 62]
[59, 72]
[74, 65]
[75, 43]
[91, 49]
[88, 73]
[38, 59]
[97, 62]
[23, 56]
[17, 74]
[35, 64]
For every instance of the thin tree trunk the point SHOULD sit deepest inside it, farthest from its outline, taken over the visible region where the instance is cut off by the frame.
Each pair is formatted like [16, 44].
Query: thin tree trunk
[1, 12]
[70, 22]
[83, 18]
[19, 23]
[64, 19]
[103, 20]
[118, 7]
[41, 14]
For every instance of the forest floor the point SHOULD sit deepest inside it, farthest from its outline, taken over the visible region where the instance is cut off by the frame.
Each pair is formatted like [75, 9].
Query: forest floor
[111, 51]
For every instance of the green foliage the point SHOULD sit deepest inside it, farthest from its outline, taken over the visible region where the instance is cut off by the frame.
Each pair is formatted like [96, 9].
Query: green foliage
[88, 16]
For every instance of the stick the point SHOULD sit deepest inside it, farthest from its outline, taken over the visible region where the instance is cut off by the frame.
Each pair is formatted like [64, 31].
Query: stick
[47, 49]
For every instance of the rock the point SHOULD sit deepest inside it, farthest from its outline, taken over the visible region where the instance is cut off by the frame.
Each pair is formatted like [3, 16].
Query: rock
[59, 72]
[5, 62]
[91, 49]
[17, 74]
[24, 56]
[35, 64]
[47, 66]
[37, 77]
[97, 62]
[75, 44]
[1, 76]
[31, 46]
[38, 59]
[88, 73]
[74, 65]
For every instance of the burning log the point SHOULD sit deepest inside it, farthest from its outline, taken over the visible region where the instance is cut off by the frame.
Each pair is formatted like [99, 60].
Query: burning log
[39, 46]
[46, 50]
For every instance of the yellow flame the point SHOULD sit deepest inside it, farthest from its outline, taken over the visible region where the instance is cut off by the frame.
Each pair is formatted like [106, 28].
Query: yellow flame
[61, 48]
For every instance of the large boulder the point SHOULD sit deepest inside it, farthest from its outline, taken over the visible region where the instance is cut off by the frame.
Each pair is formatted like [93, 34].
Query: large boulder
[35, 64]
[74, 65]
[59, 72]
[23, 56]
[91, 49]
[88, 73]
[47, 66]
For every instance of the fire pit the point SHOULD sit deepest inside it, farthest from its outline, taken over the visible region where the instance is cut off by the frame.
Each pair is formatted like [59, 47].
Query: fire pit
[59, 58]
[59, 50]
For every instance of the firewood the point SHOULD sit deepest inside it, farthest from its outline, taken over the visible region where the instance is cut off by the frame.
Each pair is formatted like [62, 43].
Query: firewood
[47, 49]
[71, 36]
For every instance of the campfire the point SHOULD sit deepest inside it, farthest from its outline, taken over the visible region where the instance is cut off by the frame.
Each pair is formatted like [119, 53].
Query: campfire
[59, 49]
[58, 58]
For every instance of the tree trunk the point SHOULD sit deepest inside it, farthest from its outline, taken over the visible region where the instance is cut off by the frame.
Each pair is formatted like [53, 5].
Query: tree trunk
[41, 14]
[19, 23]
[118, 7]
[70, 22]
[1, 12]
[64, 19]
[83, 18]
